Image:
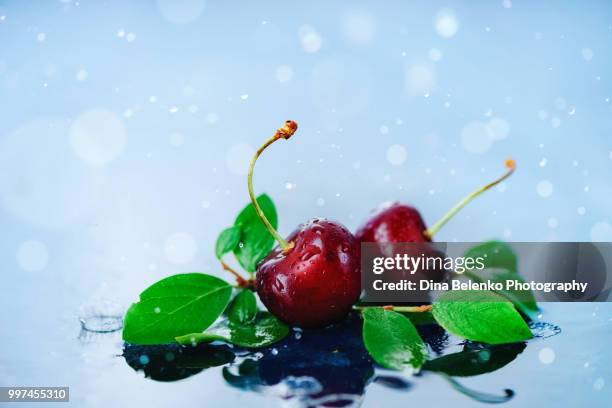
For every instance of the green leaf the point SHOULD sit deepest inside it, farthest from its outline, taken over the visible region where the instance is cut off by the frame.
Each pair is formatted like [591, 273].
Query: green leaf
[501, 266]
[228, 240]
[480, 316]
[524, 300]
[256, 241]
[392, 340]
[496, 254]
[266, 330]
[174, 306]
[243, 309]
[475, 360]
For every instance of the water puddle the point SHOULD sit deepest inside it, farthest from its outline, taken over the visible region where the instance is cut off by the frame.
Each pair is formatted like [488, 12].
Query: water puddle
[330, 366]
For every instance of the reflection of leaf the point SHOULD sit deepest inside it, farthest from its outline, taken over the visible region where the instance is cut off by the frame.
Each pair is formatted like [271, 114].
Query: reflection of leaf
[480, 316]
[478, 395]
[226, 242]
[524, 300]
[475, 361]
[420, 318]
[392, 340]
[496, 254]
[172, 362]
[174, 306]
[266, 330]
[247, 376]
[256, 241]
[243, 308]
[393, 383]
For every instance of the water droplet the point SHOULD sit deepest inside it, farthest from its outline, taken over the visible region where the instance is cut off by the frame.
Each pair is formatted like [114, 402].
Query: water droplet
[484, 355]
[310, 252]
[284, 73]
[555, 122]
[599, 384]
[445, 23]
[396, 154]
[547, 355]
[544, 188]
[32, 256]
[278, 284]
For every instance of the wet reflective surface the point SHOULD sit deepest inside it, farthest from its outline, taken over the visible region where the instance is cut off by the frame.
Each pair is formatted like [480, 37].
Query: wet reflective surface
[84, 220]
[326, 367]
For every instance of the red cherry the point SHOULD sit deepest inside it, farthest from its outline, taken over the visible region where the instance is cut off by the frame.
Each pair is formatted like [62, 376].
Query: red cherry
[316, 282]
[313, 277]
[397, 222]
[393, 222]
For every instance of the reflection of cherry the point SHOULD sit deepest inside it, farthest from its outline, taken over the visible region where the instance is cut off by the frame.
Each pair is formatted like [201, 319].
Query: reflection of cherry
[397, 222]
[312, 278]
[321, 367]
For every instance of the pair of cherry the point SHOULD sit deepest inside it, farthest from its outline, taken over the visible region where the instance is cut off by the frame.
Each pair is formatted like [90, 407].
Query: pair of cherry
[313, 277]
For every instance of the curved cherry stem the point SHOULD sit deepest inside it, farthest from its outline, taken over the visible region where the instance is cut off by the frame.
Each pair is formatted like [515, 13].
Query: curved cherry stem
[283, 133]
[430, 232]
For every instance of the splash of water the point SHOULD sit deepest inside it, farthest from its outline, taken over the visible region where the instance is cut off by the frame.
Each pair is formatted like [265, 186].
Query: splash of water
[543, 330]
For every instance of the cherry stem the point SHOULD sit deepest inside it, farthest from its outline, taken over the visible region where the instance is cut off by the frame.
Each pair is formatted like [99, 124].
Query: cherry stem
[401, 309]
[243, 283]
[283, 133]
[430, 232]
[409, 309]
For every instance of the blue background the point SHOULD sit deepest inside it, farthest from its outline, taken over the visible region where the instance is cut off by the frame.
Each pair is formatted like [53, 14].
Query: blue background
[126, 128]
